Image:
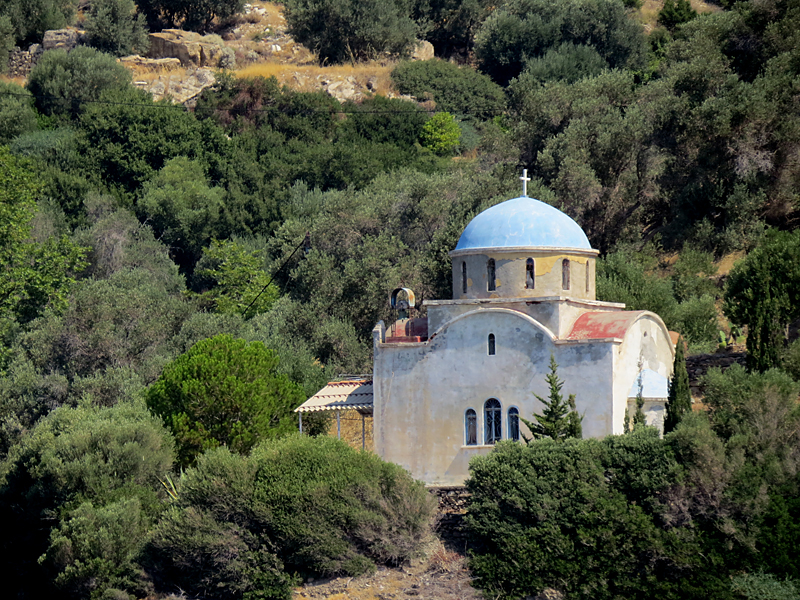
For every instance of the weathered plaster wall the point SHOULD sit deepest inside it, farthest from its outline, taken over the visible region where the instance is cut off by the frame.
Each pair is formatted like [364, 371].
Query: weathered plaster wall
[510, 272]
[423, 390]
[557, 313]
[646, 345]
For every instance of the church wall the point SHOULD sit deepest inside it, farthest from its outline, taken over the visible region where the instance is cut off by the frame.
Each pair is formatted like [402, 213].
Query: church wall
[510, 274]
[422, 391]
[646, 345]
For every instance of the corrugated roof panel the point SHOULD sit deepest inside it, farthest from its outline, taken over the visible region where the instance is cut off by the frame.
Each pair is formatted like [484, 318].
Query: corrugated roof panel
[340, 395]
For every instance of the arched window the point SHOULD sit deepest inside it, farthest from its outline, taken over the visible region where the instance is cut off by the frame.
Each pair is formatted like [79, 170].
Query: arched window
[490, 275]
[513, 423]
[463, 277]
[491, 344]
[493, 421]
[565, 274]
[530, 278]
[588, 274]
[471, 427]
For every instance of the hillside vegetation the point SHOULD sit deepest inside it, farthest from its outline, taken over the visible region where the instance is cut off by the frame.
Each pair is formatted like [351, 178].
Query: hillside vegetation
[215, 266]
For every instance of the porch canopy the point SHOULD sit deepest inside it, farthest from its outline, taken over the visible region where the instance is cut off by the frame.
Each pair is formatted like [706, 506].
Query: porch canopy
[348, 394]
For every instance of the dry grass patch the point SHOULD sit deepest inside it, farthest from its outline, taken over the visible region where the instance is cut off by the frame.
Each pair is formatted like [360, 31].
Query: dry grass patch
[18, 80]
[307, 78]
[648, 14]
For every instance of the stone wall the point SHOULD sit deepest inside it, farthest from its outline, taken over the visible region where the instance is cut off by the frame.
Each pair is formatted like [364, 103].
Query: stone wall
[20, 62]
[450, 515]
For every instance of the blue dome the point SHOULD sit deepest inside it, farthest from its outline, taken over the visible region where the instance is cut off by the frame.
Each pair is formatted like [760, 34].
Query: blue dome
[523, 222]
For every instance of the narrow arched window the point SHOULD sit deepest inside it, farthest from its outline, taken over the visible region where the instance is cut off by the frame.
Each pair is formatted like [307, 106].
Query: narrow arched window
[588, 274]
[492, 413]
[463, 277]
[490, 275]
[513, 424]
[471, 427]
[565, 274]
[530, 279]
[491, 344]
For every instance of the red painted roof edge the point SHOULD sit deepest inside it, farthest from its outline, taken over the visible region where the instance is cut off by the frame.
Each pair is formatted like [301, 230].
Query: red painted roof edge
[603, 324]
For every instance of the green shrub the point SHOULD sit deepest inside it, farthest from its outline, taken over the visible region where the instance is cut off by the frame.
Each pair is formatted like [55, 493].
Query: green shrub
[114, 27]
[764, 586]
[696, 319]
[676, 12]
[567, 62]
[31, 18]
[224, 391]
[458, 90]
[81, 489]
[62, 82]
[571, 515]
[440, 134]
[95, 548]
[520, 30]
[342, 30]
[295, 505]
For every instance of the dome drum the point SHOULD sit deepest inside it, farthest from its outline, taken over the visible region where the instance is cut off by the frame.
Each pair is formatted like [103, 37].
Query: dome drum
[524, 273]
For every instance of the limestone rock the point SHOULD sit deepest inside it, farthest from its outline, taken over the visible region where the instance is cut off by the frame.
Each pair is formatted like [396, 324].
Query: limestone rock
[150, 65]
[342, 90]
[188, 47]
[62, 39]
[181, 88]
[422, 51]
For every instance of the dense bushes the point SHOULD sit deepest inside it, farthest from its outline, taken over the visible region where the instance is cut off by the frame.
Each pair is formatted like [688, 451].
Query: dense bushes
[636, 516]
[340, 30]
[62, 82]
[525, 29]
[81, 490]
[303, 505]
[568, 515]
[458, 90]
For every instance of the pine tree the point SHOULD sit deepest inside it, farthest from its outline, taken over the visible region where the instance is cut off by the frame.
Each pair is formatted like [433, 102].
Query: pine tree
[559, 419]
[680, 399]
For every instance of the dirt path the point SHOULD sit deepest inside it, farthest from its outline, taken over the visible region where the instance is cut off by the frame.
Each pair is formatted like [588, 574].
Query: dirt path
[442, 575]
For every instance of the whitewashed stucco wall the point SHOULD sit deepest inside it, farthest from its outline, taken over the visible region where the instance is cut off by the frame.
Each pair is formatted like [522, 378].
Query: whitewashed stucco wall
[423, 390]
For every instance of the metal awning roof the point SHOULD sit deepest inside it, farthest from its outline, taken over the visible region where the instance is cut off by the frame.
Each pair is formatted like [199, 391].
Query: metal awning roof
[340, 395]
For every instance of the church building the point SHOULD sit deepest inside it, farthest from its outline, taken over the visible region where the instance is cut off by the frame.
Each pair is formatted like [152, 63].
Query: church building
[448, 386]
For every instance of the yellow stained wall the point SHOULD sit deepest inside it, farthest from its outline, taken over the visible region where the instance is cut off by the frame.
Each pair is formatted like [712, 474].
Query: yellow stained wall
[510, 275]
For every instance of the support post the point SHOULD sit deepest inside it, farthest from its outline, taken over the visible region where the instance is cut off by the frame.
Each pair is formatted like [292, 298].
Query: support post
[338, 425]
[363, 432]
[301, 422]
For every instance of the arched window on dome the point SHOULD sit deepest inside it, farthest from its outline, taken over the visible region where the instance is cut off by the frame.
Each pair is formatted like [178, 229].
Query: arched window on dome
[471, 427]
[530, 274]
[490, 275]
[491, 345]
[565, 274]
[463, 277]
[493, 421]
[588, 274]
[513, 423]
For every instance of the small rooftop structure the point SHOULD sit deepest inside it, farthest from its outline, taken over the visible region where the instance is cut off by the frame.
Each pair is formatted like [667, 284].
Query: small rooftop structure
[349, 394]
[352, 394]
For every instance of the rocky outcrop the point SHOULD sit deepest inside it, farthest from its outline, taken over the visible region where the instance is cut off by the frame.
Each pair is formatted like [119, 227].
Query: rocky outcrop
[192, 49]
[422, 51]
[181, 88]
[141, 64]
[62, 39]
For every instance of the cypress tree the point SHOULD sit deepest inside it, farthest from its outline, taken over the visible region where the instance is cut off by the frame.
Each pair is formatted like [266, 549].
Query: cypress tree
[680, 399]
